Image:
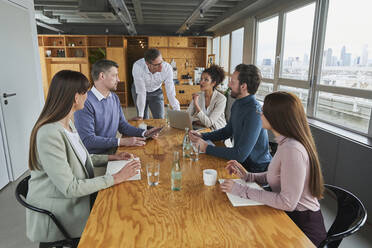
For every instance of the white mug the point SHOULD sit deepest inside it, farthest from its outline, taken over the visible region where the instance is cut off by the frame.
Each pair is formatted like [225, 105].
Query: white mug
[209, 177]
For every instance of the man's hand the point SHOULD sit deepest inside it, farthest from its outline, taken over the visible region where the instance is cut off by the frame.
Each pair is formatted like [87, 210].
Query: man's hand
[137, 118]
[120, 156]
[194, 134]
[148, 132]
[132, 141]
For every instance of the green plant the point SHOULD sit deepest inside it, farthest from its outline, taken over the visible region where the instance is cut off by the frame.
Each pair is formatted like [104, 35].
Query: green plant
[96, 54]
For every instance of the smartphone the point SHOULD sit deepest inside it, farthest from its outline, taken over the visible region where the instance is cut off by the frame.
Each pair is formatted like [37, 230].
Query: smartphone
[155, 131]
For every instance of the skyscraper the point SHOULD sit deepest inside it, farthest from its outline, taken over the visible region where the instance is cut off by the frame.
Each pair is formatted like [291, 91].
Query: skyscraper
[329, 57]
[364, 58]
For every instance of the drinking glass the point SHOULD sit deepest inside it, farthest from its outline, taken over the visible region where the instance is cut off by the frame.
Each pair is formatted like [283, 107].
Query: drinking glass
[153, 171]
[195, 152]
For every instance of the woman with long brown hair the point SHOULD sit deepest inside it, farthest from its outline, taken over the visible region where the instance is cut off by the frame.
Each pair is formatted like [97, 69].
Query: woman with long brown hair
[294, 173]
[62, 178]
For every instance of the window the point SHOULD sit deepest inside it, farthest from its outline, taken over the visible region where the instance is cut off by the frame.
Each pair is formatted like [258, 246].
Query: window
[301, 93]
[236, 57]
[347, 57]
[216, 49]
[225, 48]
[263, 90]
[297, 43]
[266, 46]
[346, 66]
[351, 112]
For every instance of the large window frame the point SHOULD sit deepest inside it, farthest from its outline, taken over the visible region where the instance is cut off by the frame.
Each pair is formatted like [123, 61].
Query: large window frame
[228, 70]
[315, 63]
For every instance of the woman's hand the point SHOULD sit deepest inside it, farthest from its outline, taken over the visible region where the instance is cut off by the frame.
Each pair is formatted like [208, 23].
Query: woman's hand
[233, 167]
[195, 98]
[121, 156]
[227, 185]
[131, 169]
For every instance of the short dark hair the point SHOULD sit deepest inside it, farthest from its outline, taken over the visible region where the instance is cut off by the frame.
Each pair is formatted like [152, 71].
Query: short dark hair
[102, 65]
[216, 73]
[249, 75]
[151, 55]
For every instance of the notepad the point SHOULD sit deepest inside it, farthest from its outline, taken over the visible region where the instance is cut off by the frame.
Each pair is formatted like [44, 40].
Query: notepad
[115, 166]
[237, 201]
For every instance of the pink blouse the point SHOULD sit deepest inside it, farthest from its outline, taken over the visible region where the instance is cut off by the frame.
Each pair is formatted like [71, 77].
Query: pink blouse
[288, 176]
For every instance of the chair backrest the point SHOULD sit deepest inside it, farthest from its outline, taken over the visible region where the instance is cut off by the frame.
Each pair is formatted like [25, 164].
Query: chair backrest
[351, 215]
[22, 190]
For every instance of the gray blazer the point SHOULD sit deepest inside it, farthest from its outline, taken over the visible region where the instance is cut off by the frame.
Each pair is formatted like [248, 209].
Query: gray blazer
[62, 185]
[213, 116]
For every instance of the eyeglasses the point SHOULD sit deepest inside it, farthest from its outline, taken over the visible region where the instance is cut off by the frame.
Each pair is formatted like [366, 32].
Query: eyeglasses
[157, 65]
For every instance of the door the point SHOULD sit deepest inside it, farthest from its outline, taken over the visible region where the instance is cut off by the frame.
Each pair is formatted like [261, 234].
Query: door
[4, 177]
[21, 94]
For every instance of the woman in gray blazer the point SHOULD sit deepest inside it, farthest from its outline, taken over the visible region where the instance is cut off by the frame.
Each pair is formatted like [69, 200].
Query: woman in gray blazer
[62, 178]
[207, 107]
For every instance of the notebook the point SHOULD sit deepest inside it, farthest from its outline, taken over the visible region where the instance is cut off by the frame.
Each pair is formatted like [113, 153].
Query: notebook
[115, 166]
[237, 201]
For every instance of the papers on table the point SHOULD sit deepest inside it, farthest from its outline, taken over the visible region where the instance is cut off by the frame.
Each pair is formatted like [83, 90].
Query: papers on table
[237, 201]
[115, 166]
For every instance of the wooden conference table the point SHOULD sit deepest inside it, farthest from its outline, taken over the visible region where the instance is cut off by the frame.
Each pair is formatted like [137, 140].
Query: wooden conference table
[133, 214]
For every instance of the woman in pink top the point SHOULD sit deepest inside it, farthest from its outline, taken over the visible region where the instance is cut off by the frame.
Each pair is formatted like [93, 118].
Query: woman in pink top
[294, 173]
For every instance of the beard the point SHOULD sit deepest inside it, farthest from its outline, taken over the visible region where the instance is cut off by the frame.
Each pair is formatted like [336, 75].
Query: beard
[235, 94]
[114, 87]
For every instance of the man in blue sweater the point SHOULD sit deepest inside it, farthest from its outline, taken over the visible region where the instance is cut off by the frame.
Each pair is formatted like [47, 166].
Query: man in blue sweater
[103, 116]
[251, 145]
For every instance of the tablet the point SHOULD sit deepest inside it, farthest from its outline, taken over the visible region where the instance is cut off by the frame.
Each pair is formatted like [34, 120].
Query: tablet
[155, 131]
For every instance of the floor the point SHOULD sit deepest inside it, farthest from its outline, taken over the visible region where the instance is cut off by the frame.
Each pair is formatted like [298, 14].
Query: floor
[13, 226]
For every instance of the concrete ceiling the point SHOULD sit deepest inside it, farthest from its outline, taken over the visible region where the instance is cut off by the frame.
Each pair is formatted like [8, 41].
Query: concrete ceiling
[135, 17]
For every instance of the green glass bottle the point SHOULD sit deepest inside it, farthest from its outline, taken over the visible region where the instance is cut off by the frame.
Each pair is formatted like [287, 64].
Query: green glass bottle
[176, 173]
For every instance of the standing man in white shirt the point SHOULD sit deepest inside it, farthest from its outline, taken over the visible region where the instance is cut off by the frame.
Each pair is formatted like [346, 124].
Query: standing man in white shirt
[149, 73]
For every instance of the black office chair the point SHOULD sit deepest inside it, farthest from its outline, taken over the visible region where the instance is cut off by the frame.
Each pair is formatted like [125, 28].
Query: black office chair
[21, 191]
[351, 215]
[273, 147]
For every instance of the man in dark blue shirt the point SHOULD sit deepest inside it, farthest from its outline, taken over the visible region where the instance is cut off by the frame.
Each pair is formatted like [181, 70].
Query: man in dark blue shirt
[251, 145]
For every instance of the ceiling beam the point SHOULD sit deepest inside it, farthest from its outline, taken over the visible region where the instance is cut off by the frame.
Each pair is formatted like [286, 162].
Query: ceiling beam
[204, 5]
[41, 24]
[122, 12]
[138, 11]
[242, 6]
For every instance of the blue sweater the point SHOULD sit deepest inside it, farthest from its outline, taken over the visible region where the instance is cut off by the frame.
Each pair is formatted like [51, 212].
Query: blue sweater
[98, 122]
[251, 145]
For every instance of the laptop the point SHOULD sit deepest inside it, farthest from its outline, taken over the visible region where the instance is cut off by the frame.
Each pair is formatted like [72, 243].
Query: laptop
[181, 120]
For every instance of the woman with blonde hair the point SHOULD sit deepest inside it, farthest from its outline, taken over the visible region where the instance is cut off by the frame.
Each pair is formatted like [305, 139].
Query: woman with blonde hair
[294, 173]
[62, 178]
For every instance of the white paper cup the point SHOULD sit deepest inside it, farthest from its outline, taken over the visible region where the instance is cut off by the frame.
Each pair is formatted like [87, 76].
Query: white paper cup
[209, 177]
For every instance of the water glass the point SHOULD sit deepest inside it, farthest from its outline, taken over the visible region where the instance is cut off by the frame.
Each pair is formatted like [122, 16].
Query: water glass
[195, 152]
[153, 171]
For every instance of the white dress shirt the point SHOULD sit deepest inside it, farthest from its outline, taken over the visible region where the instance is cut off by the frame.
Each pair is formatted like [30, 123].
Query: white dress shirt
[145, 81]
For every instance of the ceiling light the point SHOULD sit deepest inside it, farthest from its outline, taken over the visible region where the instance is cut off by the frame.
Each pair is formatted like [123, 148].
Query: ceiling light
[106, 30]
[201, 13]
[187, 26]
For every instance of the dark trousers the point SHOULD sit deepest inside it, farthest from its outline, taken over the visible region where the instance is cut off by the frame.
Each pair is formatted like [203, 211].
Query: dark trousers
[311, 223]
[154, 101]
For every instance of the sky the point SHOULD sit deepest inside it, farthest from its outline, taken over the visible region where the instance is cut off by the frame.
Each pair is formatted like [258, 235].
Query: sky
[348, 23]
